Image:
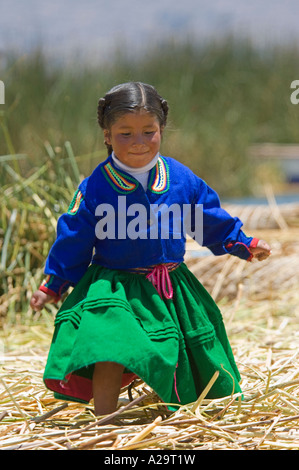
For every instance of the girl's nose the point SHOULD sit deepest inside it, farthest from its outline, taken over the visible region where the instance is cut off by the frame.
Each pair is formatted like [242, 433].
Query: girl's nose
[138, 139]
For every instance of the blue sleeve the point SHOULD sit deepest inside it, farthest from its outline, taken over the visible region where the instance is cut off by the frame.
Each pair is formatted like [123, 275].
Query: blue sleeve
[222, 233]
[72, 250]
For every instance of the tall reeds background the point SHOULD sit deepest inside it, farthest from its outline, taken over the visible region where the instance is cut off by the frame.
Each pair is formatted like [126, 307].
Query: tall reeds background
[223, 96]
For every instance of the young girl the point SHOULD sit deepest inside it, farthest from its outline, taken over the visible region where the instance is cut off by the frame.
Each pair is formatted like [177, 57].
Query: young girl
[136, 309]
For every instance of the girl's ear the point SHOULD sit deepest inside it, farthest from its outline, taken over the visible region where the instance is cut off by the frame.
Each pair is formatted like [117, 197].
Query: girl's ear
[107, 139]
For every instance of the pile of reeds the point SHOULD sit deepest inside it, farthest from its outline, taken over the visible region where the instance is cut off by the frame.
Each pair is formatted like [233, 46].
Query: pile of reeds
[264, 337]
[32, 198]
[224, 276]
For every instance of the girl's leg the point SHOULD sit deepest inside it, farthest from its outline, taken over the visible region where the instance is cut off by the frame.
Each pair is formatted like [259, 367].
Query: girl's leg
[106, 383]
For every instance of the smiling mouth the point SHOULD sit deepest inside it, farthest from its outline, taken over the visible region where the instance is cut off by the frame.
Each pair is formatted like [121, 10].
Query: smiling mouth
[138, 154]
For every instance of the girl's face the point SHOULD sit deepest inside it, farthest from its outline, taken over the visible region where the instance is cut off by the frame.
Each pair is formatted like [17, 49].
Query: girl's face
[135, 138]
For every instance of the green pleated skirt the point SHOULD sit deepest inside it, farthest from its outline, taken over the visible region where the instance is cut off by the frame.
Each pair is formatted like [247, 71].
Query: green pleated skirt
[174, 345]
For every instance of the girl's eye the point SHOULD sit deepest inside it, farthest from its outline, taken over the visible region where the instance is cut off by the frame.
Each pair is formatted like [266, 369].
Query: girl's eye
[128, 134]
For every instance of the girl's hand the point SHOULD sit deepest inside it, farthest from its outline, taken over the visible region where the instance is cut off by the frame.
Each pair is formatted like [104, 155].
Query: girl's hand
[39, 299]
[261, 251]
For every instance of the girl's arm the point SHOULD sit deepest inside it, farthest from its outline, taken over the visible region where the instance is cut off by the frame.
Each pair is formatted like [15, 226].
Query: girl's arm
[222, 233]
[70, 254]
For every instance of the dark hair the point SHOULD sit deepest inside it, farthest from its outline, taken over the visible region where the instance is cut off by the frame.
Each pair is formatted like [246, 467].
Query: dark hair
[130, 97]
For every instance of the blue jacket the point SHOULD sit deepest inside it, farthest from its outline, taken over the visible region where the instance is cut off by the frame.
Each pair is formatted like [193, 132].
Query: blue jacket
[103, 204]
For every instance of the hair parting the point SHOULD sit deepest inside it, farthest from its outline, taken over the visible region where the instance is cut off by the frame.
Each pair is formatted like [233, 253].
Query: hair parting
[130, 97]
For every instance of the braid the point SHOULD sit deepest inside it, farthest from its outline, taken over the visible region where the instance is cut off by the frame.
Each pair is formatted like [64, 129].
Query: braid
[165, 108]
[101, 120]
[101, 110]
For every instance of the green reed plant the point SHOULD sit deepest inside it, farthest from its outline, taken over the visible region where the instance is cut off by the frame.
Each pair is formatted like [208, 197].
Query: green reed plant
[223, 97]
[29, 208]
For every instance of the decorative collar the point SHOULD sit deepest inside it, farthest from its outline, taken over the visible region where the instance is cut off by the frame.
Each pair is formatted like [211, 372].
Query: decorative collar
[124, 183]
[158, 181]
